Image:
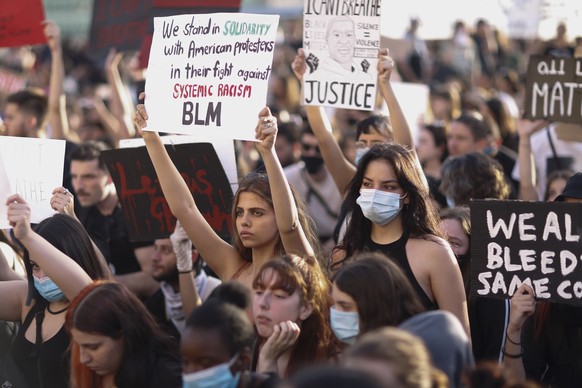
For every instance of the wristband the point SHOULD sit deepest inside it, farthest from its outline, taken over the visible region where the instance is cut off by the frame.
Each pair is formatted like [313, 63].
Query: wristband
[510, 355]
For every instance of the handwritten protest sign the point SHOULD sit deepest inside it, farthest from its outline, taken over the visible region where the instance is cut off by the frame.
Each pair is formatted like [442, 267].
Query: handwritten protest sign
[21, 23]
[537, 243]
[209, 72]
[176, 7]
[144, 206]
[224, 149]
[5, 192]
[341, 41]
[554, 89]
[34, 168]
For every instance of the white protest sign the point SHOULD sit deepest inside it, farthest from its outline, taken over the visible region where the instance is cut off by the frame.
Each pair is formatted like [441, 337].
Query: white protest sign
[209, 73]
[5, 192]
[34, 167]
[414, 102]
[224, 149]
[341, 42]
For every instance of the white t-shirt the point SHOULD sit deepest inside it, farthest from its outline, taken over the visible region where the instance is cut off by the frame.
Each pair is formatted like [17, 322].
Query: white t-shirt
[542, 152]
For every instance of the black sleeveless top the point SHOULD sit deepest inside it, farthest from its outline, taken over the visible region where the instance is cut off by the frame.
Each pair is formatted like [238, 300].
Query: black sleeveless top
[44, 365]
[396, 251]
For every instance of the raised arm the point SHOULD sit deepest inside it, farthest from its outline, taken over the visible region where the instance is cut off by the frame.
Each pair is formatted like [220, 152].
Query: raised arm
[286, 214]
[400, 128]
[57, 111]
[522, 307]
[120, 105]
[183, 249]
[527, 170]
[63, 270]
[338, 166]
[222, 258]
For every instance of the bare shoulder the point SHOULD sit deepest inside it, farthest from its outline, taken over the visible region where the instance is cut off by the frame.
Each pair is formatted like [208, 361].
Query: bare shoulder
[431, 246]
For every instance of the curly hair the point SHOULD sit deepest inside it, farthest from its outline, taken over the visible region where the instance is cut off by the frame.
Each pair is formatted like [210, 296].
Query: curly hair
[473, 176]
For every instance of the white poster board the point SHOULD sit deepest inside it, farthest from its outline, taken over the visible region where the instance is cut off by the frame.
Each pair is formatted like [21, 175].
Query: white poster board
[5, 192]
[34, 167]
[209, 73]
[341, 42]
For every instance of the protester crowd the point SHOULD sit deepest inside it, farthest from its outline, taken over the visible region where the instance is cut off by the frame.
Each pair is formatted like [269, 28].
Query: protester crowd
[349, 262]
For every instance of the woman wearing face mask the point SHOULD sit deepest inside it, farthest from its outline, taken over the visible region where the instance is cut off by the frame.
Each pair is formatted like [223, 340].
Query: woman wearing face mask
[372, 292]
[290, 307]
[369, 293]
[376, 129]
[117, 343]
[60, 260]
[391, 212]
[216, 348]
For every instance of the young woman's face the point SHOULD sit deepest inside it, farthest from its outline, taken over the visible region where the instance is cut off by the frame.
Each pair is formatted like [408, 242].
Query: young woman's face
[342, 301]
[458, 240]
[255, 221]
[426, 148]
[380, 175]
[99, 353]
[272, 305]
[202, 349]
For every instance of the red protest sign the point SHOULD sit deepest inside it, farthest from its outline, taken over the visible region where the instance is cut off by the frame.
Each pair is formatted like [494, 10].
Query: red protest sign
[21, 23]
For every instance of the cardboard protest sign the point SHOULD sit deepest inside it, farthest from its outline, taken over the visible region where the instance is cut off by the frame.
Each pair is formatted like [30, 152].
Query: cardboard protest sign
[554, 89]
[537, 243]
[118, 24]
[209, 73]
[341, 42]
[21, 23]
[34, 168]
[224, 149]
[145, 208]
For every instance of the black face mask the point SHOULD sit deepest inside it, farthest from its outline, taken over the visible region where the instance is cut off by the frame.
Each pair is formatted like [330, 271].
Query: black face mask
[312, 163]
[462, 259]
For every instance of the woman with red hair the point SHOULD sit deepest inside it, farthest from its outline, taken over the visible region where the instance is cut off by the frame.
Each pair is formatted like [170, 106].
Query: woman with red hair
[116, 342]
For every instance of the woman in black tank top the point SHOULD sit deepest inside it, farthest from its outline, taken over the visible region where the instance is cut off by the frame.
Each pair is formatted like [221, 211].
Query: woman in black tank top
[391, 211]
[60, 259]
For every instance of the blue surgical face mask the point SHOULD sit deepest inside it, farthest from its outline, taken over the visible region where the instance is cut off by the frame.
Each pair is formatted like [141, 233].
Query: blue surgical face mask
[48, 289]
[450, 202]
[379, 206]
[216, 376]
[345, 325]
[359, 153]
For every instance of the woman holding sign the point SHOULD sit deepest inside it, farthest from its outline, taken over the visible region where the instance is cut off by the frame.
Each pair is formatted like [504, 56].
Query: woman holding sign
[60, 260]
[269, 219]
[391, 212]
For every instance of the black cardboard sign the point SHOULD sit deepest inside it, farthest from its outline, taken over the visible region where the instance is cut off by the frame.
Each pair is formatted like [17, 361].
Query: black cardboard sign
[515, 242]
[144, 206]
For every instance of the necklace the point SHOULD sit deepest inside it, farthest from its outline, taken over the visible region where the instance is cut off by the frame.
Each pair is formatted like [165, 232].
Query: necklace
[48, 308]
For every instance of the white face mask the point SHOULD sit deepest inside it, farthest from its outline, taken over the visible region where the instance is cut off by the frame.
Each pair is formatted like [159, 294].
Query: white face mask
[345, 325]
[359, 153]
[379, 206]
[216, 376]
